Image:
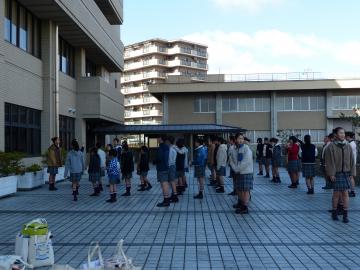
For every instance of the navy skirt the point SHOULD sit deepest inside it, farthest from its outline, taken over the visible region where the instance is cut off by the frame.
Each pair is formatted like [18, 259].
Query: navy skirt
[244, 182]
[342, 182]
[52, 170]
[308, 170]
[294, 166]
[75, 177]
[94, 177]
[199, 171]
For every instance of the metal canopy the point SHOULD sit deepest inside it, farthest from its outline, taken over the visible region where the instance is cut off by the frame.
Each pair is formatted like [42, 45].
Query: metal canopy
[163, 129]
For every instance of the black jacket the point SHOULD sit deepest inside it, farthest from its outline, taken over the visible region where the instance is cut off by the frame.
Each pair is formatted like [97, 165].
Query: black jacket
[94, 165]
[127, 162]
[144, 162]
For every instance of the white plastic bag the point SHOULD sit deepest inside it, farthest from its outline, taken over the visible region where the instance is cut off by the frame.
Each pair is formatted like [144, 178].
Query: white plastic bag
[94, 263]
[9, 262]
[22, 246]
[41, 252]
[120, 261]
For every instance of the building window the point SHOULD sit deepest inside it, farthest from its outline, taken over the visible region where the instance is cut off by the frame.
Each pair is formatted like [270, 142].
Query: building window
[204, 105]
[313, 103]
[66, 131]
[22, 129]
[346, 102]
[317, 135]
[66, 58]
[22, 28]
[253, 135]
[90, 68]
[256, 104]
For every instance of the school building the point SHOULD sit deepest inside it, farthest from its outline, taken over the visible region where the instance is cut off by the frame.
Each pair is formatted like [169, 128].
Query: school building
[261, 103]
[60, 64]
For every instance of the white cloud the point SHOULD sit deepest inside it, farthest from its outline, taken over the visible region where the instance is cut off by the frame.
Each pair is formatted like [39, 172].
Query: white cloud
[270, 51]
[249, 5]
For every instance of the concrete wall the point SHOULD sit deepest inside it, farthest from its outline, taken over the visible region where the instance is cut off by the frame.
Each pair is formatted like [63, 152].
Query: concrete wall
[67, 94]
[301, 120]
[248, 120]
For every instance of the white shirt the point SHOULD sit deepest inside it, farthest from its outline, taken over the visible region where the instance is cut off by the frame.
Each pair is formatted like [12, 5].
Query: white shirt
[353, 148]
[102, 156]
[172, 155]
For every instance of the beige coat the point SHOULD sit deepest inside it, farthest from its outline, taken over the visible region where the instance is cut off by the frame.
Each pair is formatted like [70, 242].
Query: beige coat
[339, 159]
[54, 156]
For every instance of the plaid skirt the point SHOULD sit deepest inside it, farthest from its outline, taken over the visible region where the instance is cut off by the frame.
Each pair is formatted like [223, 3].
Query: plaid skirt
[308, 170]
[75, 177]
[143, 173]
[342, 182]
[276, 162]
[114, 180]
[199, 171]
[221, 171]
[180, 173]
[244, 182]
[294, 166]
[94, 177]
[52, 170]
[126, 176]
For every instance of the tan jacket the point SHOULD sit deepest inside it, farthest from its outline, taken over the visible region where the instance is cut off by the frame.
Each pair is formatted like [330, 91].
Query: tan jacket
[54, 156]
[339, 159]
[210, 157]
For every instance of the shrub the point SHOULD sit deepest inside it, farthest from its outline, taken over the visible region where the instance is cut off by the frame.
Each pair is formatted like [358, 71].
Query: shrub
[10, 163]
[34, 168]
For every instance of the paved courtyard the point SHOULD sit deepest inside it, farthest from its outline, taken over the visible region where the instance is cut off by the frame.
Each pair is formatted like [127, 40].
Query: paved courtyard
[286, 229]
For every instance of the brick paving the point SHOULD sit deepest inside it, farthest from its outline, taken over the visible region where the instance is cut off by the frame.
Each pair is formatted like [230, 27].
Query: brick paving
[286, 229]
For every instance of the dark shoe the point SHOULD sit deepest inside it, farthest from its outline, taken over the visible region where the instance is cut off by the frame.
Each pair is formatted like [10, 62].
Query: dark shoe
[142, 188]
[186, 185]
[297, 183]
[101, 187]
[292, 186]
[212, 183]
[233, 193]
[164, 203]
[77, 190]
[260, 173]
[52, 187]
[334, 215]
[199, 196]
[243, 210]
[312, 191]
[340, 209]
[112, 199]
[148, 187]
[267, 176]
[127, 193]
[273, 180]
[352, 194]
[345, 217]
[277, 179]
[174, 198]
[237, 205]
[75, 196]
[115, 197]
[220, 190]
[96, 192]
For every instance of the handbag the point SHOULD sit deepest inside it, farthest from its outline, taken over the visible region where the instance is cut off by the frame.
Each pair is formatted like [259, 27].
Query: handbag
[41, 252]
[22, 246]
[37, 226]
[120, 261]
[98, 264]
[11, 262]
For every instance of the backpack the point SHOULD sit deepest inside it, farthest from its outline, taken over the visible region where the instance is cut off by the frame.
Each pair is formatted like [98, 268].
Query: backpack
[180, 162]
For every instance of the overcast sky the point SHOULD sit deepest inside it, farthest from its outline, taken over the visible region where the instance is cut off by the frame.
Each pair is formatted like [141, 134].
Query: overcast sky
[255, 36]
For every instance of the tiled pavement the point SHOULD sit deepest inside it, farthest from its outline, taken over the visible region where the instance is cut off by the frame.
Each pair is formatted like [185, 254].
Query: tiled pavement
[286, 229]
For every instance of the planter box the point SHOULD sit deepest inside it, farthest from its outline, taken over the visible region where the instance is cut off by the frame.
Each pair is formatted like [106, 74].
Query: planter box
[8, 185]
[59, 176]
[30, 180]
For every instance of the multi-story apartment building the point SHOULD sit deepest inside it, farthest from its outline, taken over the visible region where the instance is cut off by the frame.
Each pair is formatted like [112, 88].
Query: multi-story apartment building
[60, 64]
[150, 62]
[263, 104]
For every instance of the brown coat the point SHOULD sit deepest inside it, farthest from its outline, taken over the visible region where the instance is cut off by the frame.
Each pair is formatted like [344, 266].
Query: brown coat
[339, 158]
[54, 156]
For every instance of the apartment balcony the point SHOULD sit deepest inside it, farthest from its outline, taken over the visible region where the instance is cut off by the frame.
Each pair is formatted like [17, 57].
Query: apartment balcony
[98, 99]
[112, 9]
[140, 122]
[143, 76]
[145, 51]
[195, 65]
[145, 63]
[141, 101]
[196, 53]
[134, 90]
[145, 113]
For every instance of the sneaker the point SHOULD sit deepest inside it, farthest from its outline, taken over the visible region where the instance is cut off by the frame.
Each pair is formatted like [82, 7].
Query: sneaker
[164, 203]
[174, 199]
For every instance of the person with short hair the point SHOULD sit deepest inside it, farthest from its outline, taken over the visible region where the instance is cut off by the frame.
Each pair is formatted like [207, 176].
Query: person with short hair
[221, 160]
[293, 163]
[241, 161]
[75, 165]
[53, 161]
[199, 166]
[350, 137]
[143, 168]
[341, 168]
[259, 155]
[102, 156]
[127, 167]
[276, 160]
[94, 170]
[182, 164]
[162, 168]
[308, 158]
[113, 171]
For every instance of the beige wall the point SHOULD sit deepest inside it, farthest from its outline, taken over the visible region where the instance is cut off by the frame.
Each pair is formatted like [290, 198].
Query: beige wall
[181, 111]
[248, 120]
[301, 120]
[67, 94]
